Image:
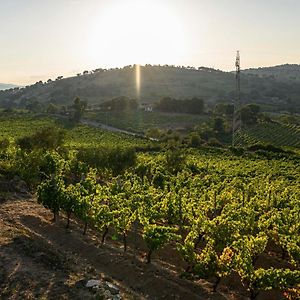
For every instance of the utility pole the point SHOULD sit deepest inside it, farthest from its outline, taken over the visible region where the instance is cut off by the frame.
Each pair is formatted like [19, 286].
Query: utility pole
[237, 120]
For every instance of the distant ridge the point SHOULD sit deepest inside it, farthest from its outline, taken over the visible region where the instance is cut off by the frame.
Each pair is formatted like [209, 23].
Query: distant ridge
[5, 86]
[274, 88]
[286, 72]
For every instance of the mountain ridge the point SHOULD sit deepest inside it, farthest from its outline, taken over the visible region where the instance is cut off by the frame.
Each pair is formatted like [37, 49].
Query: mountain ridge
[4, 86]
[270, 86]
[283, 72]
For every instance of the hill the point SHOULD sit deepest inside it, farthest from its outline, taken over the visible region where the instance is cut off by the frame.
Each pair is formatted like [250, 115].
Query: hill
[285, 73]
[273, 93]
[277, 134]
[4, 86]
[201, 201]
[33, 253]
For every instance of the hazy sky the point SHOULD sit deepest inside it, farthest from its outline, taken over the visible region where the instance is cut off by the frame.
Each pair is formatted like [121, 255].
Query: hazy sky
[41, 39]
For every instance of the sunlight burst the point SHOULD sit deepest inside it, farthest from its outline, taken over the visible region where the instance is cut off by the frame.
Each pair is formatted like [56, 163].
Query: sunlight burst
[138, 80]
[136, 32]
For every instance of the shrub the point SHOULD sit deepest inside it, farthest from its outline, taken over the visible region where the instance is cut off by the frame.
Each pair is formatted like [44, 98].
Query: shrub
[116, 159]
[195, 140]
[48, 138]
[213, 142]
[237, 151]
[267, 147]
[175, 161]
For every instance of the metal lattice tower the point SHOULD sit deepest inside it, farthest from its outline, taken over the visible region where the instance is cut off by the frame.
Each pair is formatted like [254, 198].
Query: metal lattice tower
[237, 121]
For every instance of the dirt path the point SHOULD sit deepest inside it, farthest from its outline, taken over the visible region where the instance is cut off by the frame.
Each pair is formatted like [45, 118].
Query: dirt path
[114, 129]
[107, 127]
[27, 235]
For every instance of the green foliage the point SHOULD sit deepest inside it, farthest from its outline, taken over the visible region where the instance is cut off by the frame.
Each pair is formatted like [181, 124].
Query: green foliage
[157, 236]
[259, 85]
[175, 161]
[223, 210]
[195, 140]
[277, 134]
[47, 138]
[52, 109]
[52, 163]
[280, 279]
[153, 133]
[150, 123]
[158, 180]
[218, 125]
[249, 114]
[51, 194]
[214, 142]
[31, 166]
[266, 147]
[224, 109]
[79, 107]
[206, 265]
[116, 159]
[191, 106]
[120, 104]
[237, 151]
[4, 144]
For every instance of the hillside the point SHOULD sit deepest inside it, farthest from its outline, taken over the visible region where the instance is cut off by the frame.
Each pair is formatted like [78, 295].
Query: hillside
[280, 135]
[285, 73]
[40, 260]
[4, 86]
[159, 81]
[130, 212]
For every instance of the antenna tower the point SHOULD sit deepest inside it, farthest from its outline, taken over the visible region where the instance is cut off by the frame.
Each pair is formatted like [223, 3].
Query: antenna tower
[237, 120]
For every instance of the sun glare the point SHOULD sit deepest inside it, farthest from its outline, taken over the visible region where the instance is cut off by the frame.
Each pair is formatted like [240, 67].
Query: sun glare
[138, 80]
[136, 32]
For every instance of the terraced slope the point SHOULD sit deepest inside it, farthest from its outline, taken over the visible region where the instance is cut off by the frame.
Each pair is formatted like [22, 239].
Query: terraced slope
[277, 134]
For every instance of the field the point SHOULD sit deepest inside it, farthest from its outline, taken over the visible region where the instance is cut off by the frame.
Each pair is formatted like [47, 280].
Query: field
[79, 136]
[141, 121]
[277, 134]
[42, 260]
[204, 223]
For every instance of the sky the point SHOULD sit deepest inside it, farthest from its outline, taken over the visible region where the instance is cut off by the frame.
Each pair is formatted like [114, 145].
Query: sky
[42, 39]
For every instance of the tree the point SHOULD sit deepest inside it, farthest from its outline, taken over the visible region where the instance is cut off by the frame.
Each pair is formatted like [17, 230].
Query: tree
[249, 114]
[190, 106]
[157, 236]
[46, 138]
[120, 104]
[195, 140]
[52, 109]
[225, 110]
[50, 193]
[175, 161]
[33, 105]
[194, 106]
[79, 108]
[218, 125]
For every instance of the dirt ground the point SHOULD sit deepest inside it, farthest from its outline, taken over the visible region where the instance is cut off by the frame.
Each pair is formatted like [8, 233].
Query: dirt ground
[43, 260]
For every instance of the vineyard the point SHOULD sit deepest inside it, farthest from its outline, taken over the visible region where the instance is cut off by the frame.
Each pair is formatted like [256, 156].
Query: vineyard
[76, 137]
[225, 216]
[141, 121]
[277, 134]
